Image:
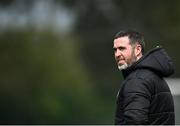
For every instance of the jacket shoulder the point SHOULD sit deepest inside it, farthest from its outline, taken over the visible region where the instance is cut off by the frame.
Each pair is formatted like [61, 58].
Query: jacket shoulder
[142, 80]
[144, 74]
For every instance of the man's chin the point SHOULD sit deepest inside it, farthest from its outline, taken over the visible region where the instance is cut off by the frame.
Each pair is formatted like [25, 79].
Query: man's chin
[122, 67]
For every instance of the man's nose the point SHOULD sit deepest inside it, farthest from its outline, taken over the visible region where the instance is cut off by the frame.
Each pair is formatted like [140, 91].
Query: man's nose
[117, 53]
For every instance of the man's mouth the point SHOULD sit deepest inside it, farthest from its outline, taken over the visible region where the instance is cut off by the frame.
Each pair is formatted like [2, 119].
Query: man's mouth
[120, 62]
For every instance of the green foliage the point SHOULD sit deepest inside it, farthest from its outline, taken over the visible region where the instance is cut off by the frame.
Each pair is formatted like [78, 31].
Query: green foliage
[43, 80]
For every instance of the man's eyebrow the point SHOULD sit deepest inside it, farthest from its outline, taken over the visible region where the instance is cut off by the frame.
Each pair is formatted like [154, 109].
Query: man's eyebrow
[120, 47]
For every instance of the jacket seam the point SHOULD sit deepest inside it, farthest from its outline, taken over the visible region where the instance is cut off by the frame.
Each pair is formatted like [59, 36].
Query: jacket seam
[161, 113]
[160, 93]
[134, 109]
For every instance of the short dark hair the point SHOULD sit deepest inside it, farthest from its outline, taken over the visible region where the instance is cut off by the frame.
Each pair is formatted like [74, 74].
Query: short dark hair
[134, 37]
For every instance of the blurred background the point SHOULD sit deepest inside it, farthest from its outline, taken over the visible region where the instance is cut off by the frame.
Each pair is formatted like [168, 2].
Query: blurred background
[56, 59]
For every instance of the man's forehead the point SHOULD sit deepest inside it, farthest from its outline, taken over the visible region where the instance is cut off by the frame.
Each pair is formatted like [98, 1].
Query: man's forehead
[121, 41]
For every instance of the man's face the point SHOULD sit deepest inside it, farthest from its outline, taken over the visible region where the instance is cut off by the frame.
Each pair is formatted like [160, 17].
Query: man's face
[123, 52]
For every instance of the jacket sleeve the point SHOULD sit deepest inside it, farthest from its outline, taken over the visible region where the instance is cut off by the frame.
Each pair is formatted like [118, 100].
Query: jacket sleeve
[136, 101]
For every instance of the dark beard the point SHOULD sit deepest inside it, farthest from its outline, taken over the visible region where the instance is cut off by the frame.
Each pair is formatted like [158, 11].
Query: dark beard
[133, 57]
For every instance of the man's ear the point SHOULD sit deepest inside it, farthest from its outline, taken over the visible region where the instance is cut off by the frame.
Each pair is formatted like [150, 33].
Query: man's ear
[138, 50]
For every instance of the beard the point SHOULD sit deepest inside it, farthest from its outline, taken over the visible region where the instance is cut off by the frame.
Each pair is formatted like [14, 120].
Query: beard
[123, 67]
[129, 62]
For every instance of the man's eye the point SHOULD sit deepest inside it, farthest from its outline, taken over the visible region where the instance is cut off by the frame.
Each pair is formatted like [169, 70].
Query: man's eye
[121, 48]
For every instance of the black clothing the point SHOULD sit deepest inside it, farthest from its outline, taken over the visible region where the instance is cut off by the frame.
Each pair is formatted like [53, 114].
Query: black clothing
[144, 97]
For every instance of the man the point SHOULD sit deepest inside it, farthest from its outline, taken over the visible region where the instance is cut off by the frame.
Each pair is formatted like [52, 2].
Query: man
[144, 97]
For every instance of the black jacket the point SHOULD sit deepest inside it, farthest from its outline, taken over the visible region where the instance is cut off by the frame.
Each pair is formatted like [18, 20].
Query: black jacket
[144, 96]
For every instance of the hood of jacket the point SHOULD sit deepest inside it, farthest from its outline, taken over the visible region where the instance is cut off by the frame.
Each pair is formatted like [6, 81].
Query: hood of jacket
[156, 60]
